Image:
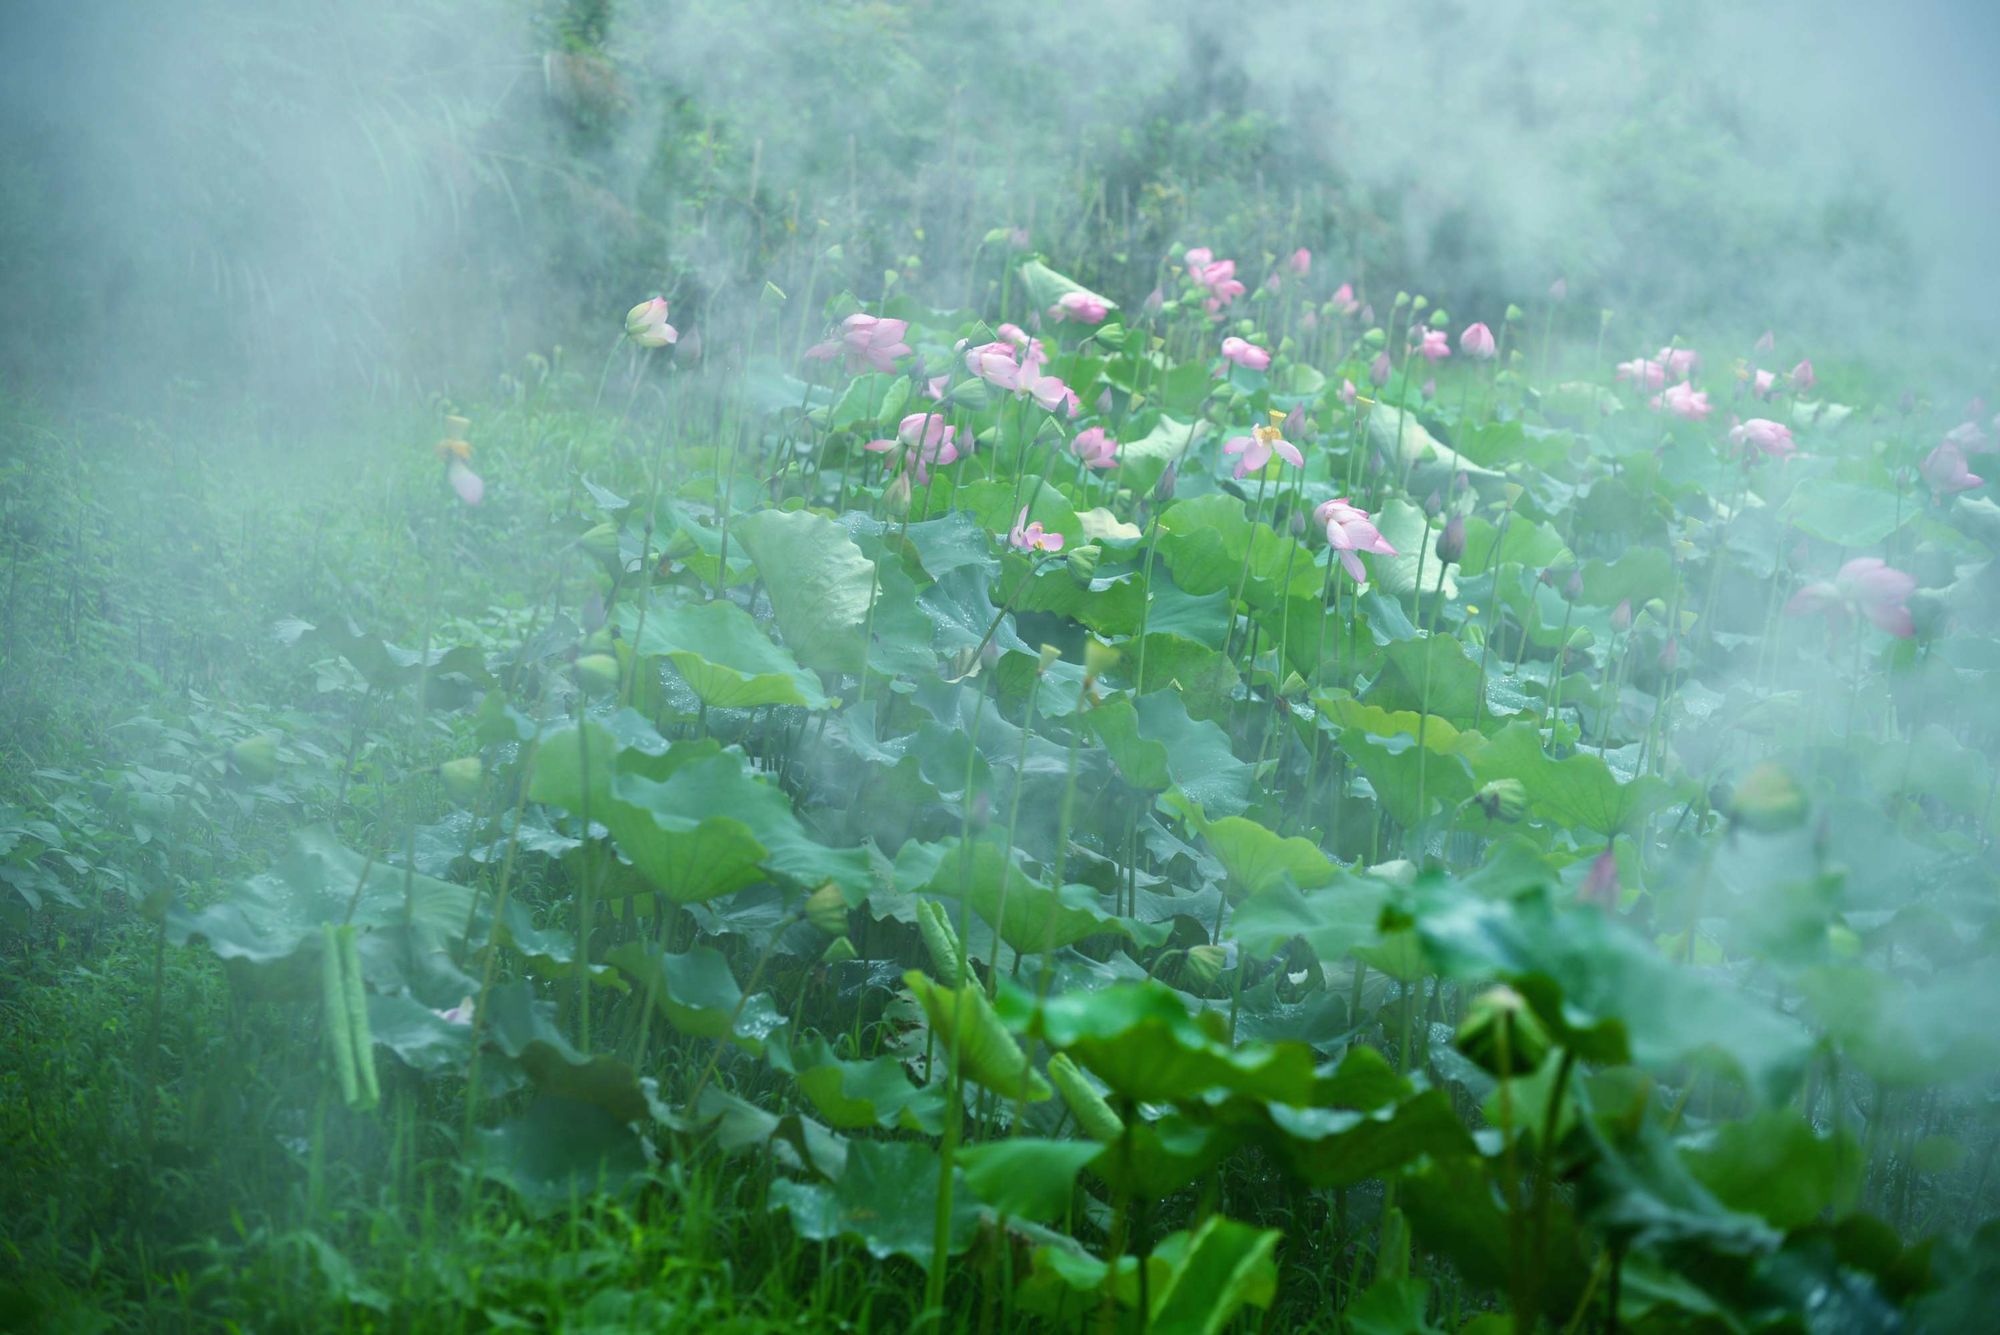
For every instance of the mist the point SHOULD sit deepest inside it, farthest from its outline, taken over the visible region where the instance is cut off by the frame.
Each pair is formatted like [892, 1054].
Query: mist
[292, 199]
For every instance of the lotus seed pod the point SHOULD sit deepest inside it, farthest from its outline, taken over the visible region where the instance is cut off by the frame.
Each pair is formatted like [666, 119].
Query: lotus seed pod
[826, 909]
[1050, 656]
[1098, 658]
[1085, 1104]
[1083, 561]
[1205, 963]
[1768, 800]
[597, 673]
[461, 779]
[256, 758]
[601, 544]
[1503, 799]
[1502, 1035]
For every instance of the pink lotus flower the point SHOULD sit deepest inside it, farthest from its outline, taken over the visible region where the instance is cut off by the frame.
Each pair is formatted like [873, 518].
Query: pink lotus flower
[1763, 384]
[457, 471]
[925, 440]
[1435, 346]
[1350, 532]
[1095, 448]
[461, 1014]
[1197, 259]
[935, 386]
[1477, 342]
[1021, 338]
[1684, 400]
[1348, 393]
[1257, 448]
[1803, 378]
[1944, 469]
[1301, 262]
[1773, 438]
[1378, 370]
[1081, 307]
[1030, 537]
[1600, 887]
[868, 340]
[1344, 299]
[1220, 280]
[1968, 437]
[1643, 374]
[1680, 362]
[995, 364]
[1245, 354]
[646, 324]
[1866, 585]
[1051, 393]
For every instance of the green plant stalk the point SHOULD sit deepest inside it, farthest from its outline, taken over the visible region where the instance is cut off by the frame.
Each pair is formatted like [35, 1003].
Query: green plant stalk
[338, 1019]
[500, 902]
[1007, 861]
[1544, 1191]
[356, 996]
[1424, 716]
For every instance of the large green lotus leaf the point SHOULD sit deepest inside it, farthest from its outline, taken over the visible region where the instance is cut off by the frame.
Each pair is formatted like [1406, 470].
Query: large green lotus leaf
[417, 1034]
[1225, 1267]
[1842, 513]
[1141, 761]
[1155, 1159]
[1141, 462]
[1333, 919]
[1383, 746]
[886, 1199]
[383, 665]
[1199, 757]
[698, 994]
[875, 1093]
[1518, 541]
[1774, 1164]
[1338, 1147]
[1203, 676]
[1034, 918]
[723, 654]
[1205, 541]
[987, 1053]
[1604, 991]
[819, 582]
[1024, 1177]
[1257, 859]
[1455, 1209]
[995, 505]
[277, 914]
[559, 1151]
[523, 1028]
[798, 1143]
[707, 828]
[1203, 618]
[1412, 535]
[1402, 438]
[1578, 791]
[1392, 1306]
[1435, 675]
[872, 400]
[1639, 573]
[1108, 606]
[1906, 1032]
[1140, 1040]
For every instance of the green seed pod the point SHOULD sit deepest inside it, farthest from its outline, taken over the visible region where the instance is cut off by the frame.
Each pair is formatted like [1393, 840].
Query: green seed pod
[1083, 562]
[1502, 1035]
[1204, 964]
[334, 1014]
[826, 909]
[256, 758]
[357, 1020]
[1768, 800]
[597, 673]
[601, 544]
[947, 955]
[1503, 799]
[461, 779]
[1085, 1104]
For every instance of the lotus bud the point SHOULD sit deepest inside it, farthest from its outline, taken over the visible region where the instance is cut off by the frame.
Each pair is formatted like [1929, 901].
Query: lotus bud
[1432, 504]
[256, 757]
[1503, 799]
[597, 673]
[826, 909]
[1378, 370]
[1573, 586]
[1085, 1104]
[1768, 800]
[897, 494]
[1670, 656]
[1502, 1035]
[1204, 964]
[1429, 389]
[839, 951]
[1451, 542]
[1621, 616]
[601, 543]
[1104, 402]
[1083, 562]
[1163, 490]
[461, 779]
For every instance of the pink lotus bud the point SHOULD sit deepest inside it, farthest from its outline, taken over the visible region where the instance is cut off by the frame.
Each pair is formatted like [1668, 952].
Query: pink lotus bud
[1803, 378]
[1082, 307]
[1429, 389]
[1684, 400]
[1559, 290]
[1600, 887]
[646, 324]
[1104, 401]
[1434, 346]
[1670, 656]
[1378, 370]
[1477, 342]
[1245, 354]
[1945, 470]
[1451, 542]
[1294, 425]
[1301, 262]
[1348, 393]
[1344, 300]
[1621, 616]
